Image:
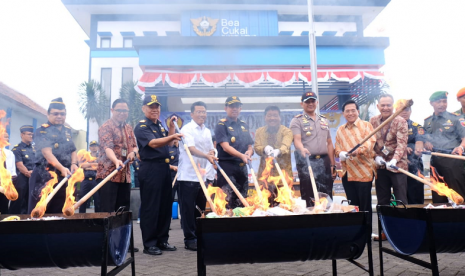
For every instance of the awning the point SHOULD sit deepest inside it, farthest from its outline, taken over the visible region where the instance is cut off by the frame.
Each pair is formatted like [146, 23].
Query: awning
[248, 78]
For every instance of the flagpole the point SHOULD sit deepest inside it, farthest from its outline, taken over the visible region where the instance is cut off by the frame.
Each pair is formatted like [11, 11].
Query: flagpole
[312, 46]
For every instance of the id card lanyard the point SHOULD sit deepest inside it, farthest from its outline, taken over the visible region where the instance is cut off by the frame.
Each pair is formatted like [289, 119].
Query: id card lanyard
[385, 151]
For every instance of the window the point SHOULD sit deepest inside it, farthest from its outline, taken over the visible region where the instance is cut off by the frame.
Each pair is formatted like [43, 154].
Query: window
[105, 81]
[127, 43]
[105, 42]
[127, 75]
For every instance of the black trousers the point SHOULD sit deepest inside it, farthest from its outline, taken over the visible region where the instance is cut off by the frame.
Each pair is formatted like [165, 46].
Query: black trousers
[239, 177]
[3, 204]
[114, 195]
[454, 175]
[19, 206]
[415, 190]
[37, 181]
[190, 195]
[156, 202]
[359, 193]
[321, 168]
[86, 186]
[387, 180]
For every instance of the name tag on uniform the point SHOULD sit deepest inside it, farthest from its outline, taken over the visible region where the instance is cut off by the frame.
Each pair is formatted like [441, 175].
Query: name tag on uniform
[124, 152]
[385, 151]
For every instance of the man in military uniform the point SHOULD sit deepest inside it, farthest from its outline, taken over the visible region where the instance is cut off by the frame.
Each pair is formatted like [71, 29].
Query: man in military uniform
[461, 100]
[24, 157]
[90, 181]
[234, 145]
[312, 139]
[446, 131]
[155, 177]
[55, 151]
[416, 134]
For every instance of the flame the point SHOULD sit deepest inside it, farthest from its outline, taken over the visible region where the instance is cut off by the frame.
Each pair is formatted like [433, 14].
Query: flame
[5, 175]
[440, 187]
[68, 208]
[39, 210]
[85, 156]
[202, 171]
[401, 103]
[320, 207]
[219, 201]
[258, 202]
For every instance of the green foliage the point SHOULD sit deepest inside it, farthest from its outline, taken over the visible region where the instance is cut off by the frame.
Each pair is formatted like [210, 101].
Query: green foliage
[372, 99]
[93, 103]
[134, 99]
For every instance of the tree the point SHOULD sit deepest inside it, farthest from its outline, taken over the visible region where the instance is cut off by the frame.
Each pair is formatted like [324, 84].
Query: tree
[134, 99]
[371, 99]
[93, 103]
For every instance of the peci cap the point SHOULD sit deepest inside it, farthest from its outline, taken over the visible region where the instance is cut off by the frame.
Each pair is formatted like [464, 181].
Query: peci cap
[438, 95]
[461, 93]
[26, 128]
[57, 104]
[93, 143]
[308, 95]
[232, 100]
[151, 99]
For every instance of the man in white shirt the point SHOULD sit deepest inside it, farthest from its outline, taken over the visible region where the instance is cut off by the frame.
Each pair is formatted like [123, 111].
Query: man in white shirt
[9, 163]
[199, 141]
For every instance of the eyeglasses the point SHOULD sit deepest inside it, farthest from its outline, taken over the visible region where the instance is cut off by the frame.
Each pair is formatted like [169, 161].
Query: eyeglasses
[56, 114]
[122, 110]
[200, 112]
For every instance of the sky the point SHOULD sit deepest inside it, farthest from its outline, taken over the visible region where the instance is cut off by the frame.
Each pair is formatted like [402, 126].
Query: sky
[43, 54]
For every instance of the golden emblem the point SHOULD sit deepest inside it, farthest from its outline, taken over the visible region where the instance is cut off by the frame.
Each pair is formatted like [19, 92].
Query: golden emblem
[154, 98]
[233, 139]
[172, 157]
[234, 98]
[167, 160]
[56, 145]
[204, 26]
[308, 133]
[27, 156]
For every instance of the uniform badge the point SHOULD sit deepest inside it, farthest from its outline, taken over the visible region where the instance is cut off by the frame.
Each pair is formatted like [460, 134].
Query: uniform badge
[172, 157]
[308, 133]
[446, 127]
[67, 140]
[421, 131]
[162, 129]
[223, 120]
[410, 131]
[231, 129]
[311, 128]
[462, 123]
[56, 145]
[233, 139]
[27, 156]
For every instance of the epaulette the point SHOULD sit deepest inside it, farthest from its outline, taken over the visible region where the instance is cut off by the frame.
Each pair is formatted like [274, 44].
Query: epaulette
[298, 116]
[67, 127]
[142, 126]
[414, 124]
[45, 125]
[243, 121]
[322, 116]
[428, 117]
[142, 121]
[223, 120]
[16, 145]
[456, 114]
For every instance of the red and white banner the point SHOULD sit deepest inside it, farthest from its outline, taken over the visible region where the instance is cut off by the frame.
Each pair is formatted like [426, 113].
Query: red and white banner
[249, 78]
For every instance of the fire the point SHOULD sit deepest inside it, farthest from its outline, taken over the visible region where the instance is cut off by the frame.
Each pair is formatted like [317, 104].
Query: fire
[85, 156]
[5, 175]
[440, 187]
[401, 103]
[258, 202]
[219, 201]
[68, 208]
[39, 210]
[320, 207]
[285, 193]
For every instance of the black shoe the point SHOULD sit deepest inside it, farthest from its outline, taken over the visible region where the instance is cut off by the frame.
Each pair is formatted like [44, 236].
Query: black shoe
[191, 246]
[135, 249]
[152, 250]
[167, 247]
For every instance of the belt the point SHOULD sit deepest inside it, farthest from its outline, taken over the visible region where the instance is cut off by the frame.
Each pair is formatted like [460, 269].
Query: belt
[157, 160]
[317, 156]
[90, 178]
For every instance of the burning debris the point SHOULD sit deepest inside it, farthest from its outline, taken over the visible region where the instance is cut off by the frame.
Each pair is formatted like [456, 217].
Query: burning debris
[439, 186]
[41, 206]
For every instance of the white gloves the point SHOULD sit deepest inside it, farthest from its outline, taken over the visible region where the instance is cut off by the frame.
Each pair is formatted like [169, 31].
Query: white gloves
[343, 156]
[268, 150]
[380, 161]
[275, 152]
[391, 164]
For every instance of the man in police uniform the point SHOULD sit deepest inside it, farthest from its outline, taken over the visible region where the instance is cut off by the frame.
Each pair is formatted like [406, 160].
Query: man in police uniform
[90, 181]
[446, 131]
[312, 138]
[155, 177]
[234, 145]
[24, 157]
[416, 134]
[55, 151]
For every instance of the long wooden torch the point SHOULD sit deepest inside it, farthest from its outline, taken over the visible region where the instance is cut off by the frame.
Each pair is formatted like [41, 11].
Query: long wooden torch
[312, 179]
[255, 182]
[70, 210]
[454, 196]
[239, 195]
[199, 176]
[453, 156]
[408, 103]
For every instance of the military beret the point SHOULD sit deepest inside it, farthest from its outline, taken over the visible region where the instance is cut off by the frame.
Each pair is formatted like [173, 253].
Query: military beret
[438, 95]
[461, 93]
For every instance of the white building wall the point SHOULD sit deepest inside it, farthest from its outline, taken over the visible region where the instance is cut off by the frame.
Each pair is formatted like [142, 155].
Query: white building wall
[320, 27]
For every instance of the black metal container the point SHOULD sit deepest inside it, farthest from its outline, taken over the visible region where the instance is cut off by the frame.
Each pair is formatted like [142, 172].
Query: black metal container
[282, 239]
[96, 239]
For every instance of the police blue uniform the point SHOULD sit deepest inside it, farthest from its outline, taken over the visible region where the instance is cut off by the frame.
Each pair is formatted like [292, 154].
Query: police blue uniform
[23, 153]
[415, 189]
[88, 184]
[155, 184]
[236, 133]
[174, 160]
[62, 145]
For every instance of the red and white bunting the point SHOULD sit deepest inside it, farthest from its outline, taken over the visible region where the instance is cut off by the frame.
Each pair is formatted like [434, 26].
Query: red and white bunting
[180, 80]
[249, 79]
[215, 79]
[281, 78]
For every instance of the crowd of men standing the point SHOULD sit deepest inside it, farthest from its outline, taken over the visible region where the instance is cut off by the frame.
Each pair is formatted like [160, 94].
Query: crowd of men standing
[399, 144]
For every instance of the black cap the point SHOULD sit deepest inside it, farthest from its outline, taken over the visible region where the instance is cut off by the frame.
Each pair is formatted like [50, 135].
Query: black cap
[26, 128]
[57, 104]
[151, 99]
[232, 100]
[308, 95]
[93, 143]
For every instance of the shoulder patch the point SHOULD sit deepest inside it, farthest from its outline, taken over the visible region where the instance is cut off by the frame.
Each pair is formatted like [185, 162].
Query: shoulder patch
[322, 116]
[45, 125]
[298, 116]
[16, 145]
[67, 127]
[142, 121]
[142, 126]
[414, 124]
[223, 120]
